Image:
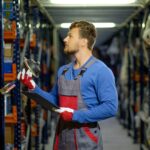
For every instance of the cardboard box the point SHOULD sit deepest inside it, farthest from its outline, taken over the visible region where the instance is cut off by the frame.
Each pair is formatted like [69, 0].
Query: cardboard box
[9, 134]
[8, 50]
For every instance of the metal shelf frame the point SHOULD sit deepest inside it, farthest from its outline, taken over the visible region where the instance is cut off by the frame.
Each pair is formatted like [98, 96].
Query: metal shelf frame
[16, 91]
[2, 119]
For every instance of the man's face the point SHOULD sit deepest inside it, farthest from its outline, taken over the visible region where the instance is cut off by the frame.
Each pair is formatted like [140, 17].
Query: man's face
[72, 41]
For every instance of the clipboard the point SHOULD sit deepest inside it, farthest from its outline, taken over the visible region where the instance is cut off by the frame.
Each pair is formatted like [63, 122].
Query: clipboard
[40, 100]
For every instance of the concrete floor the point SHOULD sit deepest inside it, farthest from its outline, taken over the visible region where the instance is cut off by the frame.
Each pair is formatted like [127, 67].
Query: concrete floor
[114, 137]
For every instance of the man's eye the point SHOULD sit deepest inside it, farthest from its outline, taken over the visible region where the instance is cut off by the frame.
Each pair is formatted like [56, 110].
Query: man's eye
[69, 35]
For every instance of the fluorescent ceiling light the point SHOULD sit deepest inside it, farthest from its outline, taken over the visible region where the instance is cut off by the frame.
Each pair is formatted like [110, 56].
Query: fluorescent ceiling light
[104, 25]
[91, 2]
[97, 25]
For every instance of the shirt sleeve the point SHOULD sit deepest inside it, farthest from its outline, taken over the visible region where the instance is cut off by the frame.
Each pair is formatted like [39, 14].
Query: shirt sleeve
[51, 96]
[107, 96]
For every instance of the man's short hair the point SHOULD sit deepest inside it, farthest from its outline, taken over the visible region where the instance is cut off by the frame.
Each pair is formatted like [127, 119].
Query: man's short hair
[87, 30]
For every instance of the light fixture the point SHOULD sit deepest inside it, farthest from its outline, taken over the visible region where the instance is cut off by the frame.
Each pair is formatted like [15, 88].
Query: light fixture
[92, 2]
[96, 24]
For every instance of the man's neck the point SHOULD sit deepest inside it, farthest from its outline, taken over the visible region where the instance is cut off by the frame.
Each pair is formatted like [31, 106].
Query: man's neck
[81, 58]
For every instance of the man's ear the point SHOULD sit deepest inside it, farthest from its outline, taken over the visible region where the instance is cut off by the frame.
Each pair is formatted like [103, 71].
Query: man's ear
[84, 42]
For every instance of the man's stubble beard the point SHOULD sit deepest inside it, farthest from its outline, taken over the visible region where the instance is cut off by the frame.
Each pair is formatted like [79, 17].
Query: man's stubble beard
[73, 52]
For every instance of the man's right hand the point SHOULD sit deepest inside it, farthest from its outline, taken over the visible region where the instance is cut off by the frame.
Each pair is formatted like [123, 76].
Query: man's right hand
[65, 113]
[26, 78]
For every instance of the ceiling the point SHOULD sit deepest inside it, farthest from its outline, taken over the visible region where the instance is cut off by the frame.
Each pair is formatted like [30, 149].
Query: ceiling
[117, 14]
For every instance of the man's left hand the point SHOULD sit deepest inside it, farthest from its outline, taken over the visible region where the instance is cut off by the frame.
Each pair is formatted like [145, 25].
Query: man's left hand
[66, 114]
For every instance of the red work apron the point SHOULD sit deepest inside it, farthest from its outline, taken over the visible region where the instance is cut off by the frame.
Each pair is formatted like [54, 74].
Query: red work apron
[74, 135]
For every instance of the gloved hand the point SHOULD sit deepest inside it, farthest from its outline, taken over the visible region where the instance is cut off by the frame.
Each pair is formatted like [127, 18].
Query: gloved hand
[66, 114]
[26, 78]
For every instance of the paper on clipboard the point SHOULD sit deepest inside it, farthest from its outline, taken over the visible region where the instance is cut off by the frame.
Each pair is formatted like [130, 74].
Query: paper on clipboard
[40, 100]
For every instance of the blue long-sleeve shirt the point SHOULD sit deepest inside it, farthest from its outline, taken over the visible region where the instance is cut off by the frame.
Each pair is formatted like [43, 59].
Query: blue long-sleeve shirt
[98, 91]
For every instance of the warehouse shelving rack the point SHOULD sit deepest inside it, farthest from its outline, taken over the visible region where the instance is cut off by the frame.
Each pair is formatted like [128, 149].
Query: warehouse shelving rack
[2, 121]
[16, 117]
[35, 138]
[138, 85]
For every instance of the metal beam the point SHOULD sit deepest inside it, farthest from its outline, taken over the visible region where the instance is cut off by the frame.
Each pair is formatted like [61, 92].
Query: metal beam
[133, 15]
[44, 12]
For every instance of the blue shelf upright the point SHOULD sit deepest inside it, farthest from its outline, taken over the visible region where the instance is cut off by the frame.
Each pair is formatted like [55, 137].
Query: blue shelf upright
[16, 91]
[2, 122]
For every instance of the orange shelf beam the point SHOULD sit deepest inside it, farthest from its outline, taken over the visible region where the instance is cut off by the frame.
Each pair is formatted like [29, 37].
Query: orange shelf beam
[34, 131]
[32, 42]
[33, 103]
[13, 117]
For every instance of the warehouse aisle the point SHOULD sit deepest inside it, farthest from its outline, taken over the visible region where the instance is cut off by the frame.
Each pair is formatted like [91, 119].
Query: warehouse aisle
[115, 136]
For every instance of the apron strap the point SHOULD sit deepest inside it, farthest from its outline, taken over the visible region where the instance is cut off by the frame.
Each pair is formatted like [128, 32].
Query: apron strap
[64, 71]
[84, 68]
[66, 68]
[92, 61]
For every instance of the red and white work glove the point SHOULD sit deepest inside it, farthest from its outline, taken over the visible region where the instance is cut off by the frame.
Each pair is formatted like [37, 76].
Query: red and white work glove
[26, 78]
[66, 114]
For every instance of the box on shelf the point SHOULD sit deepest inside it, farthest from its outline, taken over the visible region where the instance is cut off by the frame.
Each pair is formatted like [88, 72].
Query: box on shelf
[9, 134]
[10, 71]
[32, 41]
[10, 32]
[8, 51]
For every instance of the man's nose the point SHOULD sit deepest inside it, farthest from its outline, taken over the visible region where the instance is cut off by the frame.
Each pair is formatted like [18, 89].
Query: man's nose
[65, 39]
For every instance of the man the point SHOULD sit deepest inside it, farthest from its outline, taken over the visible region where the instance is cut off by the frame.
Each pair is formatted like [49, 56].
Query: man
[85, 92]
